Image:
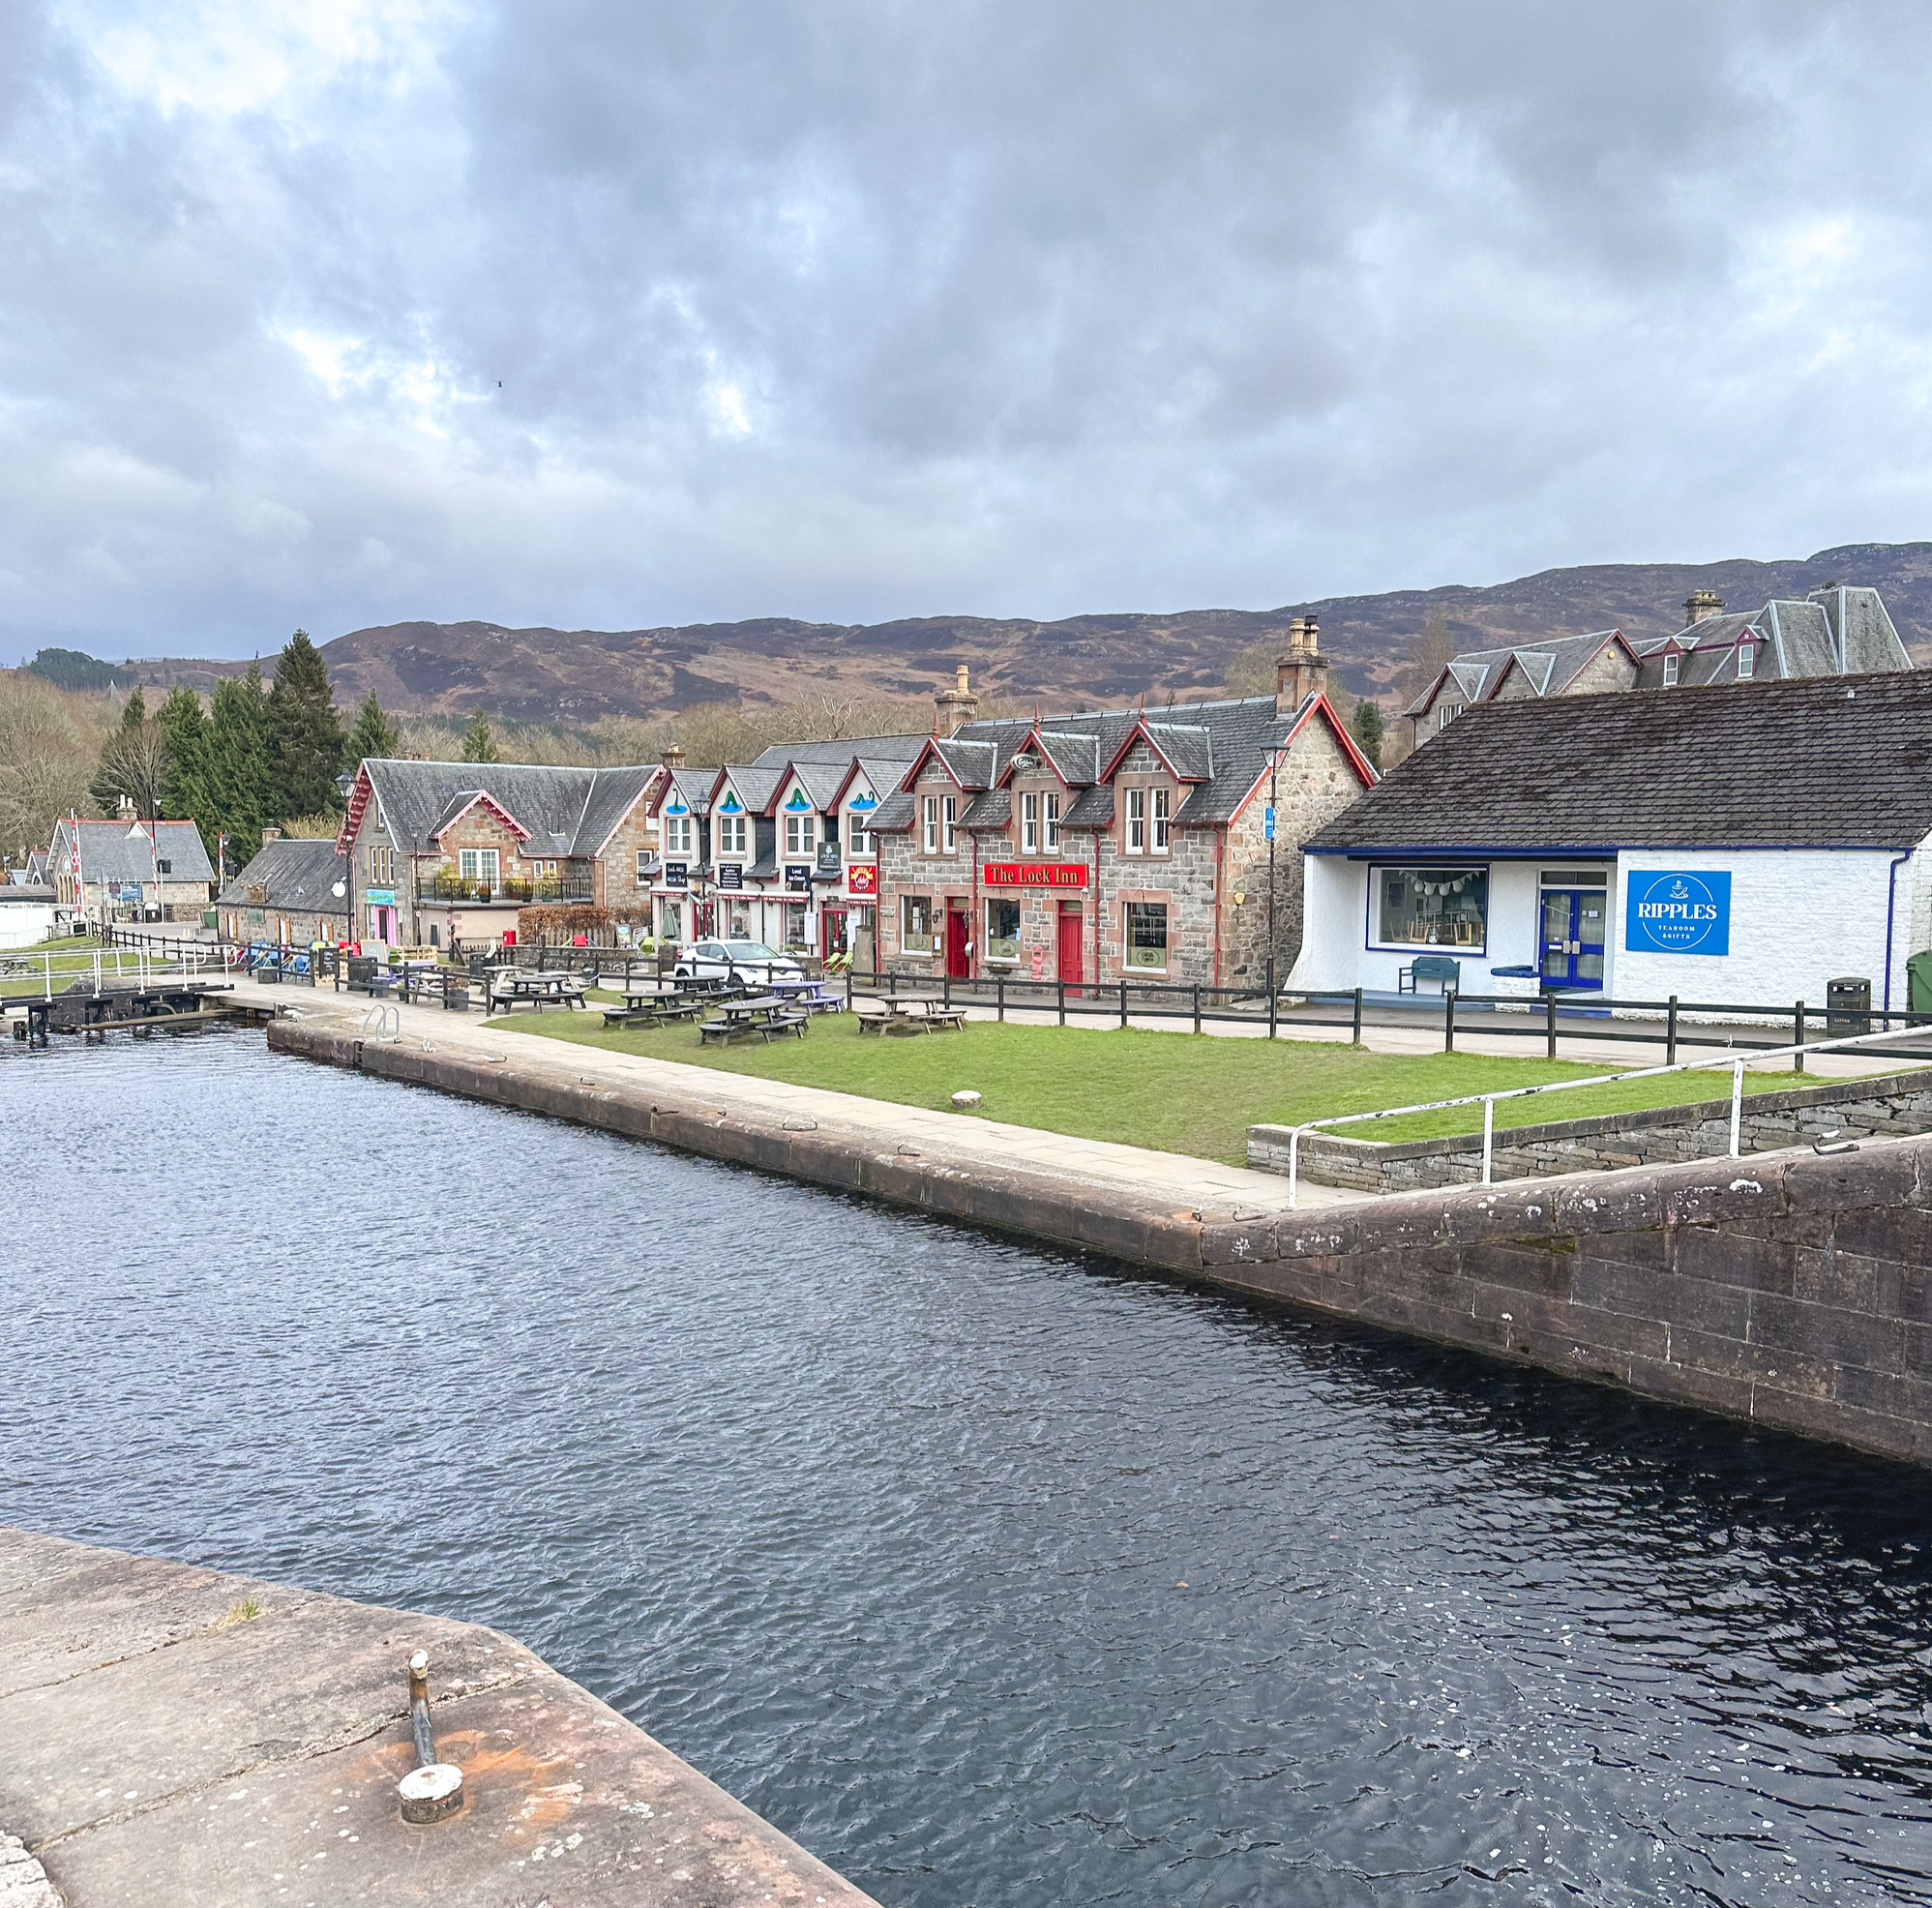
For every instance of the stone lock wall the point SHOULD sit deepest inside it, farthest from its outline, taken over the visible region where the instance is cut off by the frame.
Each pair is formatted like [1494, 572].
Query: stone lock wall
[1896, 1106]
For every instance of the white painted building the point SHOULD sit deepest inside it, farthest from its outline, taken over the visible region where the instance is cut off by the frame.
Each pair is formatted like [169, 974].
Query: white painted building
[1746, 845]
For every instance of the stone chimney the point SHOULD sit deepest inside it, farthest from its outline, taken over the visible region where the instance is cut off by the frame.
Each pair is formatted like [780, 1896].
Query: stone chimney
[674, 757]
[1700, 604]
[1301, 671]
[956, 705]
[124, 808]
[270, 834]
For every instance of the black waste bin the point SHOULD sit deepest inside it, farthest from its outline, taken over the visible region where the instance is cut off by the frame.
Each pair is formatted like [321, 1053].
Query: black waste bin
[362, 974]
[1848, 1005]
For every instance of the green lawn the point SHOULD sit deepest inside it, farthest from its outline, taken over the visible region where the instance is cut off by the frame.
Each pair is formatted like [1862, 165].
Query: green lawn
[1178, 1093]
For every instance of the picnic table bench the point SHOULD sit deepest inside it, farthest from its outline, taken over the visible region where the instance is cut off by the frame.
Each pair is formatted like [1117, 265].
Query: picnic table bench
[509, 985]
[765, 1015]
[910, 1013]
[658, 1009]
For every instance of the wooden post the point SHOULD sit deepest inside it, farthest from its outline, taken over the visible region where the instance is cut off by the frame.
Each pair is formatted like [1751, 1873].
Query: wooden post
[1671, 1034]
[1123, 1003]
[1550, 1015]
[1061, 986]
[1196, 1006]
[999, 993]
[1355, 1030]
[1448, 1020]
[1797, 1037]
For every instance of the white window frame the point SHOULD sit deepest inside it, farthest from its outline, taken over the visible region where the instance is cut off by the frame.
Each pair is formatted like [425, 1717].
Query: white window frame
[1747, 661]
[1052, 824]
[474, 864]
[906, 902]
[801, 835]
[1029, 823]
[858, 836]
[677, 835]
[1134, 838]
[1447, 713]
[1128, 965]
[929, 815]
[950, 816]
[382, 867]
[644, 859]
[1670, 671]
[733, 835]
[1163, 820]
[993, 901]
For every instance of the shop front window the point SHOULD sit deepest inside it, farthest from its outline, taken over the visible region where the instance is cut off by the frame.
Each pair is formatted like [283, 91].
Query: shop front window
[1432, 907]
[671, 920]
[916, 924]
[740, 928]
[795, 927]
[1147, 934]
[1002, 929]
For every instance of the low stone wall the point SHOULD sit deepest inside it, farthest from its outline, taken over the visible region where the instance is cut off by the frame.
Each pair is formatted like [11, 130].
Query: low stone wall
[1898, 1106]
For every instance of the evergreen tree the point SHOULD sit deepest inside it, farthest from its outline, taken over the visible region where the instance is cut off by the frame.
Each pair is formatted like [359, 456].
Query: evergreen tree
[478, 743]
[185, 736]
[1368, 726]
[137, 711]
[241, 766]
[371, 738]
[132, 763]
[306, 732]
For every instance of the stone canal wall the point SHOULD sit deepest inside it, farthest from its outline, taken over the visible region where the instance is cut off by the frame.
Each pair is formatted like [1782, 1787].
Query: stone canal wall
[1898, 1106]
[180, 1737]
[1790, 1288]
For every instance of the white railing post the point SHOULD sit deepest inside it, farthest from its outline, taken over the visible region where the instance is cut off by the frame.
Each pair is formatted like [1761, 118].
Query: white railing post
[1737, 1105]
[1488, 1134]
[49, 962]
[1294, 1157]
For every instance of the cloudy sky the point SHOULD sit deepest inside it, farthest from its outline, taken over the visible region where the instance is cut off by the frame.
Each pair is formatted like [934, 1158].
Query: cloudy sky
[609, 313]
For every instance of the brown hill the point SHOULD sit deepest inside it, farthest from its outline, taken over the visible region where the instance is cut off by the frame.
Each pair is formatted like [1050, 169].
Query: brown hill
[579, 676]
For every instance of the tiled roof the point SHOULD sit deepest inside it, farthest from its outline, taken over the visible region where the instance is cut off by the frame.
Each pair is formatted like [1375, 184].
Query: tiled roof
[1551, 665]
[899, 749]
[567, 811]
[120, 851]
[1076, 757]
[1091, 808]
[894, 814]
[1188, 746]
[993, 808]
[1831, 762]
[296, 876]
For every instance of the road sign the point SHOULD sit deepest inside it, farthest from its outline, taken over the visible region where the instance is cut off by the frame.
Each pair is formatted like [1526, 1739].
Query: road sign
[1267, 823]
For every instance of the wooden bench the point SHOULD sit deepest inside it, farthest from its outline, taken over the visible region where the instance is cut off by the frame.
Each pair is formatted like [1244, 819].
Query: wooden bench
[1438, 967]
[953, 1017]
[873, 1020]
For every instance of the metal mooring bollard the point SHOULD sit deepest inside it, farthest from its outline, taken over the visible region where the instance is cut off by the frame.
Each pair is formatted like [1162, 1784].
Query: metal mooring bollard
[432, 1789]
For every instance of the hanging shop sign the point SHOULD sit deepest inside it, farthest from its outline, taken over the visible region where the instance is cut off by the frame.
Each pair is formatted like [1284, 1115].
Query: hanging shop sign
[730, 874]
[1678, 913]
[1034, 874]
[380, 897]
[830, 861]
[862, 878]
[798, 877]
[676, 874]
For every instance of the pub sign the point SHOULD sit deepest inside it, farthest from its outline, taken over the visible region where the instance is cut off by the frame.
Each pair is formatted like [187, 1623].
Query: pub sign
[1034, 874]
[1678, 911]
[862, 877]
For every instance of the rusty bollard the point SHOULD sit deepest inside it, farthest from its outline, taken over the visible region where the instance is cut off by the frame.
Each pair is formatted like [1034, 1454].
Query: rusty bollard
[432, 1789]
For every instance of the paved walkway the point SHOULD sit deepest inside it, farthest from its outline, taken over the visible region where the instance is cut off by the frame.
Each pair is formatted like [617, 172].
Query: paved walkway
[1204, 1185]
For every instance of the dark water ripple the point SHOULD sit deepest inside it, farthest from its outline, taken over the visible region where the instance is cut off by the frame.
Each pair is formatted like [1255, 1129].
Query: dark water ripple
[993, 1576]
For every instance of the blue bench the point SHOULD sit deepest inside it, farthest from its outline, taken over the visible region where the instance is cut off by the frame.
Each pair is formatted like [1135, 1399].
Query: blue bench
[1437, 967]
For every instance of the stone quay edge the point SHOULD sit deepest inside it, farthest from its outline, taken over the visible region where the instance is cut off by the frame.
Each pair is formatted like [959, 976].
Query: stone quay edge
[182, 1738]
[1789, 1289]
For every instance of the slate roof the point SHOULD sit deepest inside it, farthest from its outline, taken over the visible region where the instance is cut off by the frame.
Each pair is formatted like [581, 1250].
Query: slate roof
[899, 749]
[1551, 665]
[1226, 742]
[893, 813]
[993, 808]
[567, 811]
[694, 786]
[119, 851]
[298, 877]
[1835, 762]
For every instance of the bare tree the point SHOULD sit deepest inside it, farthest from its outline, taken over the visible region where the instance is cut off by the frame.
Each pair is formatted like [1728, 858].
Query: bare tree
[50, 741]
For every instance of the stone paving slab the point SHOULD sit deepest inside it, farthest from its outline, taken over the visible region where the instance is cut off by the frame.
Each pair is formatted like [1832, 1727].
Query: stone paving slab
[251, 1760]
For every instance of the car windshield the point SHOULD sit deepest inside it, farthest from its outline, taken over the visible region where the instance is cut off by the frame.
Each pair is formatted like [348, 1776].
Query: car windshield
[751, 950]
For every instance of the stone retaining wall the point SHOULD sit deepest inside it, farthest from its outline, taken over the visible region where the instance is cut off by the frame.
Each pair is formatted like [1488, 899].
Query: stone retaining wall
[1791, 1290]
[1898, 1107]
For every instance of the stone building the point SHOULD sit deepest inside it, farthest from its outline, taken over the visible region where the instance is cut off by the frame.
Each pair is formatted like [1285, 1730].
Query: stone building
[287, 894]
[1835, 631]
[449, 853]
[1128, 844]
[130, 870]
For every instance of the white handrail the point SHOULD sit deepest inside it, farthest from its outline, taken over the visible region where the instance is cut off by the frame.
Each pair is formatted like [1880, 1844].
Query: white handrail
[1487, 1101]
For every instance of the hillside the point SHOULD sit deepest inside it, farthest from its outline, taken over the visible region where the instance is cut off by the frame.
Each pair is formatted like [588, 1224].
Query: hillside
[579, 676]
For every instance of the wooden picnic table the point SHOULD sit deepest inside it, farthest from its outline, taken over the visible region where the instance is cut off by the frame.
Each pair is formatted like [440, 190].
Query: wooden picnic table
[509, 985]
[913, 1013]
[767, 1015]
[816, 997]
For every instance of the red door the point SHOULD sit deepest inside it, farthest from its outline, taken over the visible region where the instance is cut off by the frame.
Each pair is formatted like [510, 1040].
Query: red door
[1071, 923]
[959, 963]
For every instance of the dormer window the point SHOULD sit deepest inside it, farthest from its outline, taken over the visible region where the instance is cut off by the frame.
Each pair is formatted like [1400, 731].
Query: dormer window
[1747, 661]
[1670, 671]
[801, 834]
[1160, 819]
[730, 835]
[1447, 713]
[1137, 821]
[1053, 824]
[1029, 823]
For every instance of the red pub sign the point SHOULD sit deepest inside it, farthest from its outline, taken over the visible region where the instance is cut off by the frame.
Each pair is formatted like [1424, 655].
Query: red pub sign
[1034, 874]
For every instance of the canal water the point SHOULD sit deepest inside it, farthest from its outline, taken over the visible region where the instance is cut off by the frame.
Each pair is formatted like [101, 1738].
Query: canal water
[993, 1576]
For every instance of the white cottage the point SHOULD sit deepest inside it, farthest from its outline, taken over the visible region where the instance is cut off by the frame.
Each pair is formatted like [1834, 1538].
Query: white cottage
[1747, 845]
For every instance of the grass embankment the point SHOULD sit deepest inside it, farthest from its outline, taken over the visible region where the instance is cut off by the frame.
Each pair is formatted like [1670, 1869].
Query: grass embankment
[1176, 1092]
[23, 971]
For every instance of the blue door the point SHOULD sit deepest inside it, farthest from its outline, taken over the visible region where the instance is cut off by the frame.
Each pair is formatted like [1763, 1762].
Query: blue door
[1574, 924]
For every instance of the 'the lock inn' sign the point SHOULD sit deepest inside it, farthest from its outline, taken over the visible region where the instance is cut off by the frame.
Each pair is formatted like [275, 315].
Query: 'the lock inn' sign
[1034, 874]
[1678, 913]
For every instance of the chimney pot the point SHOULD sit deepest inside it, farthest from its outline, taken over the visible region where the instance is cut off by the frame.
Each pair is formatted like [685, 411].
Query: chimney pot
[956, 706]
[270, 834]
[1302, 670]
[1700, 604]
[674, 757]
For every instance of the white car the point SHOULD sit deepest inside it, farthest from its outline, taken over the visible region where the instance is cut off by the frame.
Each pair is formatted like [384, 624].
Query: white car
[749, 962]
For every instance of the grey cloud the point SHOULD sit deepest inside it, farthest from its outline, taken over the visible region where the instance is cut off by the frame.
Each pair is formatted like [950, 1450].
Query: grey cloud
[870, 309]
